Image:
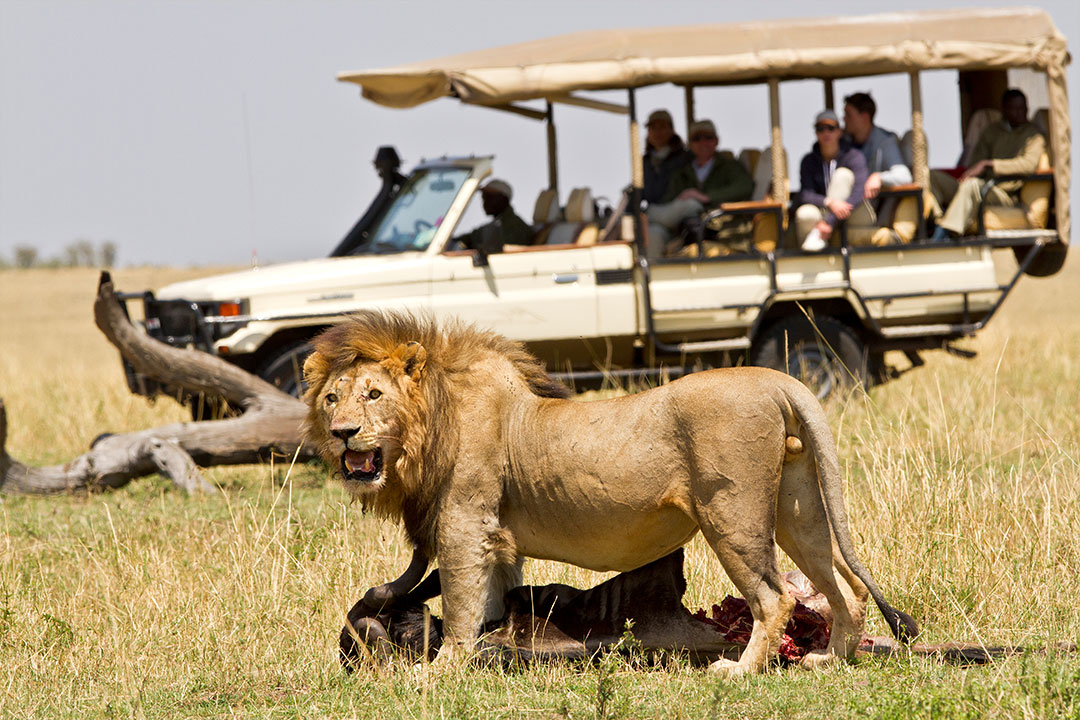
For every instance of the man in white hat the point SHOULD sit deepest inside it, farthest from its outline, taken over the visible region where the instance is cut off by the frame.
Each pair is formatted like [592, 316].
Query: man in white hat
[506, 228]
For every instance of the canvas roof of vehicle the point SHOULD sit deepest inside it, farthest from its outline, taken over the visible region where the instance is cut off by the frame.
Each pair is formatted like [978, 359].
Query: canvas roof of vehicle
[742, 53]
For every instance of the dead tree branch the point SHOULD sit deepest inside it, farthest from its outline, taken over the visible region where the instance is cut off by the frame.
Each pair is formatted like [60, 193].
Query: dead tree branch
[269, 423]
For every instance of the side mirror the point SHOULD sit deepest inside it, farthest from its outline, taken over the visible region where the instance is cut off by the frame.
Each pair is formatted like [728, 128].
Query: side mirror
[480, 259]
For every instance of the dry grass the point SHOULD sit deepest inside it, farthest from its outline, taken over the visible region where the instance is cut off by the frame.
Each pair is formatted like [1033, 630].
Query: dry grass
[962, 483]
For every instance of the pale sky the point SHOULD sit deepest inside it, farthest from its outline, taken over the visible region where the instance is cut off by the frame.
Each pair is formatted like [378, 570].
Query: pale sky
[191, 133]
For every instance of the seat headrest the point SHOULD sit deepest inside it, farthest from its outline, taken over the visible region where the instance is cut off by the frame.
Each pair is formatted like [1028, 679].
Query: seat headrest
[1041, 120]
[749, 158]
[579, 206]
[763, 173]
[546, 209]
[980, 120]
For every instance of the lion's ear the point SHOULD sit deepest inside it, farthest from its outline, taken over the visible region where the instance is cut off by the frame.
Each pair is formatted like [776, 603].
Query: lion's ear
[315, 370]
[413, 357]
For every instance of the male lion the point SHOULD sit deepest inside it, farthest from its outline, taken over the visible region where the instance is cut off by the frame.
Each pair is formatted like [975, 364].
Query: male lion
[461, 435]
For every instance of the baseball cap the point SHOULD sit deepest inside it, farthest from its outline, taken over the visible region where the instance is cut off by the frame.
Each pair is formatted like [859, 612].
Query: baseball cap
[659, 116]
[827, 117]
[500, 186]
[702, 127]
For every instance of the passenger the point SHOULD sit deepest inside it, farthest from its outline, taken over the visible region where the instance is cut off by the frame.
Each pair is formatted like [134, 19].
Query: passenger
[831, 180]
[1012, 146]
[709, 178]
[881, 148]
[505, 229]
[703, 183]
[664, 154]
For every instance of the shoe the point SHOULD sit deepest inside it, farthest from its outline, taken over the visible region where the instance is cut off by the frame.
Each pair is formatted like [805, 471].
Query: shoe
[813, 242]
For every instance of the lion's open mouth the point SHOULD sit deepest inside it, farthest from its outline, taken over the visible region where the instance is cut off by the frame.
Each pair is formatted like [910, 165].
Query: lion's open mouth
[363, 467]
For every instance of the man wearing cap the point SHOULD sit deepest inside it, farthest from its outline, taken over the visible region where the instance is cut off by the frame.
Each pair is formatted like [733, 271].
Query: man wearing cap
[704, 182]
[664, 154]
[709, 178]
[505, 229]
[831, 181]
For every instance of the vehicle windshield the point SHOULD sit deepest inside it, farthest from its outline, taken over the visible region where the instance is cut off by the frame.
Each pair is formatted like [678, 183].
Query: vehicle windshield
[418, 210]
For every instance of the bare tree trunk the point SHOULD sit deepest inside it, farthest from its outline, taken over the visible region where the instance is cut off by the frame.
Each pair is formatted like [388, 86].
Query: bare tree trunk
[270, 423]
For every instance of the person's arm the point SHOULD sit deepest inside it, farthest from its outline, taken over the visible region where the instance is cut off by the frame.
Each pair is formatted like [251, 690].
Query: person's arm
[807, 194]
[731, 182]
[1026, 162]
[983, 147]
[470, 239]
[676, 184]
[652, 190]
[897, 172]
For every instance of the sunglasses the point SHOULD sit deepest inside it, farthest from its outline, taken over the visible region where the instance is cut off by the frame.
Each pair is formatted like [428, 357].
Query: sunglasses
[825, 128]
[695, 138]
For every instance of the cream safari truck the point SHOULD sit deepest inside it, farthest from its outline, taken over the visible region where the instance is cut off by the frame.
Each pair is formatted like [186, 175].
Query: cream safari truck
[589, 299]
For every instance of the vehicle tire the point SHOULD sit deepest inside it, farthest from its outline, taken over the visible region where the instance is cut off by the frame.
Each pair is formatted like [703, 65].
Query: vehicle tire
[285, 369]
[825, 354]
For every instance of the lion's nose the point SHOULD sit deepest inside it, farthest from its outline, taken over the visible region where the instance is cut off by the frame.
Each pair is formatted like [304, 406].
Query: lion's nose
[344, 433]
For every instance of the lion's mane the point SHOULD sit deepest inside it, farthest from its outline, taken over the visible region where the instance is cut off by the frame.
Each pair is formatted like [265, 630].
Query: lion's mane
[430, 433]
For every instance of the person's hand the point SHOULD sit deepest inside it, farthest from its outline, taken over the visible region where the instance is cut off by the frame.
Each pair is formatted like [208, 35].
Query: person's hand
[840, 208]
[693, 194]
[976, 169]
[873, 186]
[824, 229]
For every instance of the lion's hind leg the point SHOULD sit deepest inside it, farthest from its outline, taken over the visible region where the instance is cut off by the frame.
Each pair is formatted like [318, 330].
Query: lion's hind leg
[742, 538]
[802, 531]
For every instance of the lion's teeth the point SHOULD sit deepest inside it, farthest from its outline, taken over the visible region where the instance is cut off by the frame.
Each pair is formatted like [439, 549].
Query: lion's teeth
[362, 461]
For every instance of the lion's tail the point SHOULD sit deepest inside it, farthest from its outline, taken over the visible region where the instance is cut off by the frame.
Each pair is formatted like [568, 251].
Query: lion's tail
[808, 411]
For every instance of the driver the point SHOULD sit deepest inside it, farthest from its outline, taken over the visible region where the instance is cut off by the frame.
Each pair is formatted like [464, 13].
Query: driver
[505, 229]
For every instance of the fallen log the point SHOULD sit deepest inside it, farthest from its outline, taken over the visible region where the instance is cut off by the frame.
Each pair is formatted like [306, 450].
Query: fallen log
[268, 424]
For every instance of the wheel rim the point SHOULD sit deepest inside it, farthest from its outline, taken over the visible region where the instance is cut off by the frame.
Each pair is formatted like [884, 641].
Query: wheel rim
[815, 369]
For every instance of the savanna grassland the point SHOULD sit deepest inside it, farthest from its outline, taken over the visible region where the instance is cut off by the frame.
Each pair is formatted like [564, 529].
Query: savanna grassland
[963, 488]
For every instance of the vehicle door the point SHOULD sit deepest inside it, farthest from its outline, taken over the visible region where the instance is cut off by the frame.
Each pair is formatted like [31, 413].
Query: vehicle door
[705, 297]
[530, 294]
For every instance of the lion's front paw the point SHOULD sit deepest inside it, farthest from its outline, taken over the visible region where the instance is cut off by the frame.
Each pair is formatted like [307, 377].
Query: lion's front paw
[728, 668]
[451, 655]
[819, 660]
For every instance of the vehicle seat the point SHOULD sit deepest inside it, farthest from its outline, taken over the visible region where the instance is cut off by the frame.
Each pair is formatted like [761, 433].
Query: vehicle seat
[907, 148]
[545, 215]
[762, 174]
[980, 120]
[1041, 120]
[1033, 212]
[579, 226]
[749, 158]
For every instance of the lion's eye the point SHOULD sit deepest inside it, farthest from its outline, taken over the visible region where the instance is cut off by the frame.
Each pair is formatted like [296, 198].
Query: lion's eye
[331, 399]
[375, 394]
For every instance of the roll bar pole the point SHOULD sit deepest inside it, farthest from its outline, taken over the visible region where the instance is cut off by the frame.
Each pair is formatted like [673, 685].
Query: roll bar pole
[779, 166]
[552, 149]
[637, 170]
[688, 91]
[920, 163]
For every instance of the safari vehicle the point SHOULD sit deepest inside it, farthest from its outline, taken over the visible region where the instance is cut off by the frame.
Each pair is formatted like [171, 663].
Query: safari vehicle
[587, 298]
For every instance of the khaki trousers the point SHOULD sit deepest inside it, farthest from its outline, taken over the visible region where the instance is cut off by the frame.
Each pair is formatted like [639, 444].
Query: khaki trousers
[960, 215]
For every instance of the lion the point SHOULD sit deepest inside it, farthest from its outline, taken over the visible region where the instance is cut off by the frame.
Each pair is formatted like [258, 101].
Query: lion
[461, 435]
